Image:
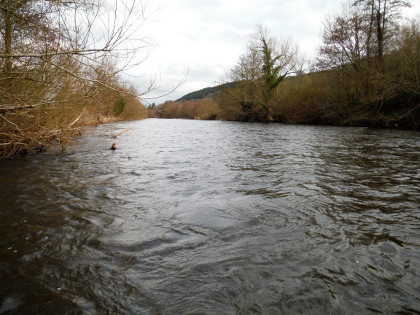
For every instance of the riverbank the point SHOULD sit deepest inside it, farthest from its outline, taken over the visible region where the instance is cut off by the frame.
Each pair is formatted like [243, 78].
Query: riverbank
[345, 85]
[28, 130]
[402, 116]
[318, 98]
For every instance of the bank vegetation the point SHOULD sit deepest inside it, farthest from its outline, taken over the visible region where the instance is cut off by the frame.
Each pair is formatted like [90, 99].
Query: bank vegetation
[366, 73]
[61, 65]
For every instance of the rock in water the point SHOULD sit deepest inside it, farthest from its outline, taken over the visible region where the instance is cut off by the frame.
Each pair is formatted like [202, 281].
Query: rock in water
[113, 147]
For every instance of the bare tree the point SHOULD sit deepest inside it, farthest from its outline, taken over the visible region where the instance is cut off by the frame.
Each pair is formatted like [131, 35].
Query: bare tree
[381, 19]
[260, 71]
[344, 41]
[363, 48]
[60, 59]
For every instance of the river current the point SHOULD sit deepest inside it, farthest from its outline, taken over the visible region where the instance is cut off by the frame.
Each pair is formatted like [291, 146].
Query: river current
[210, 217]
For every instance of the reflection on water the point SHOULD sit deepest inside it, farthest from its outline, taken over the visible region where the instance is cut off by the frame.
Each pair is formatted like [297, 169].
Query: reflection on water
[214, 217]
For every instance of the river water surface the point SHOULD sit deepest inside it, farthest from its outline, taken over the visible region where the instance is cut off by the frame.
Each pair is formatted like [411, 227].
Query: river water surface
[209, 217]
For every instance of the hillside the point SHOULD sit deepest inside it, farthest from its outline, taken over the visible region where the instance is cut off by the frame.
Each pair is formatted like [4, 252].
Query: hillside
[206, 92]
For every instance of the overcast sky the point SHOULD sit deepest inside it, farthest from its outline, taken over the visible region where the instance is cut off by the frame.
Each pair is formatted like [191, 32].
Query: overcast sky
[200, 40]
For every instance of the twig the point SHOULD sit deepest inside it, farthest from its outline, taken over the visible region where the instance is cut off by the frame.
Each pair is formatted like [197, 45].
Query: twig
[12, 123]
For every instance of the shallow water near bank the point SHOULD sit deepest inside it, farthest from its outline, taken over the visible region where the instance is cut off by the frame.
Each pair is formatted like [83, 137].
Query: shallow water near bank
[209, 217]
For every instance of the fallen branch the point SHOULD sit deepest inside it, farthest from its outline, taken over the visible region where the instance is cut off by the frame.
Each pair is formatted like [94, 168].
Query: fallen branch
[120, 133]
[77, 119]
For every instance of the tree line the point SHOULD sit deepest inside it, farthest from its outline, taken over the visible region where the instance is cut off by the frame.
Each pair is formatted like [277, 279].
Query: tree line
[61, 64]
[366, 73]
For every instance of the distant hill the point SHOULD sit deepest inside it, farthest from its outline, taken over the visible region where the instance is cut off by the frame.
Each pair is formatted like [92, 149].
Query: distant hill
[206, 92]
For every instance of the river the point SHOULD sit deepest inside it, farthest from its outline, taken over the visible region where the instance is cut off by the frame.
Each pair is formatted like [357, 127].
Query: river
[210, 217]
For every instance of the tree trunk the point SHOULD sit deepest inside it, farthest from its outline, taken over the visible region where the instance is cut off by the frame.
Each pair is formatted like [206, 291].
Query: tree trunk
[8, 29]
[380, 36]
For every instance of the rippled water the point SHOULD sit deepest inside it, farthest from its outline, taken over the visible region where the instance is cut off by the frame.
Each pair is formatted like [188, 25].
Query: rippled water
[207, 217]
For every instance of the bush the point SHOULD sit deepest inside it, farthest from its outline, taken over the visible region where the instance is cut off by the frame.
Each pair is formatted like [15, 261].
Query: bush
[119, 106]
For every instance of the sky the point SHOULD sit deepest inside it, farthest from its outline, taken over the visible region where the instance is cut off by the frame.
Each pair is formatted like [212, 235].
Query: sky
[197, 42]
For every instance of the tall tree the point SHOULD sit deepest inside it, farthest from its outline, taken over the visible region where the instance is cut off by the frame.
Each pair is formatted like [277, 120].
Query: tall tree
[362, 47]
[260, 71]
[344, 41]
[381, 18]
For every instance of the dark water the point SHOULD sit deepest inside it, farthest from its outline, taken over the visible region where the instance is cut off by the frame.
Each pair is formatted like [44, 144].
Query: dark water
[195, 217]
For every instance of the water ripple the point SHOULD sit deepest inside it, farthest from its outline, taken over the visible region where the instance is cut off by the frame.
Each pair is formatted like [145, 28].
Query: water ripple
[214, 217]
